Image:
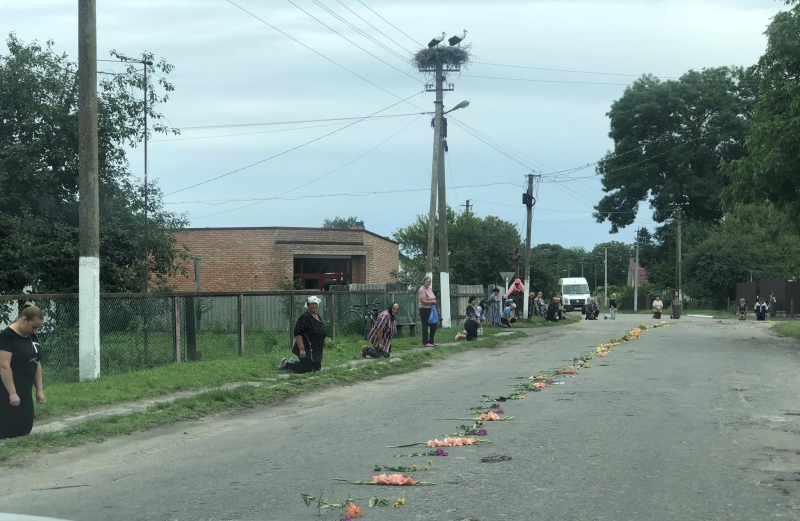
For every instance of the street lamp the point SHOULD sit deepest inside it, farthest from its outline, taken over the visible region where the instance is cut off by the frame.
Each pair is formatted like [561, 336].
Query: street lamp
[464, 104]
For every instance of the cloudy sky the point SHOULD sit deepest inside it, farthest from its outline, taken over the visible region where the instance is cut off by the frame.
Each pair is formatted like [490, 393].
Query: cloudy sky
[233, 71]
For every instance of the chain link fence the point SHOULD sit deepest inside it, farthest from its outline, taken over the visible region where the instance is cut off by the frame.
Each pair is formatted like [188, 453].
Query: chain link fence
[139, 332]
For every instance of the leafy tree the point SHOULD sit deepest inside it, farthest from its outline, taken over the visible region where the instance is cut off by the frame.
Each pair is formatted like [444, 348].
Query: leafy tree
[342, 222]
[479, 248]
[39, 176]
[669, 138]
[771, 172]
[619, 254]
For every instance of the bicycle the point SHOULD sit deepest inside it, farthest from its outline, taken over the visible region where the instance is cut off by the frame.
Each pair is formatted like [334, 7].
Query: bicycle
[365, 312]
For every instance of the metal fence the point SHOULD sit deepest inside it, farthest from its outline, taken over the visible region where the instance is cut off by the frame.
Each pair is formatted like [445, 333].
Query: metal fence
[140, 332]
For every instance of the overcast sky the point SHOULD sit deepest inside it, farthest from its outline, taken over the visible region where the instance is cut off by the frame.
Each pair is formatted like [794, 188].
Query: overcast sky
[232, 69]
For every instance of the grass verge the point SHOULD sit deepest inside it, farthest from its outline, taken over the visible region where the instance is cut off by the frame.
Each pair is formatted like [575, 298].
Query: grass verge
[204, 374]
[791, 329]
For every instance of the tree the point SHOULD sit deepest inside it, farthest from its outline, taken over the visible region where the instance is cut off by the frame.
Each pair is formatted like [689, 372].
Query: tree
[343, 222]
[479, 247]
[39, 176]
[669, 138]
[619, 254]
[771, 171]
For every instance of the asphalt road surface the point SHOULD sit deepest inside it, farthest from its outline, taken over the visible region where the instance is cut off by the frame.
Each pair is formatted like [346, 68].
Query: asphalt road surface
[699, 421]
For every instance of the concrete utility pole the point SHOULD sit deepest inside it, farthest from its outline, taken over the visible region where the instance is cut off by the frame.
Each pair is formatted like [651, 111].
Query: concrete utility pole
[605, 283]
[437, 151]
[88, 189]
[678, 256]
[636, 276]
[438, 164]
[528, 200]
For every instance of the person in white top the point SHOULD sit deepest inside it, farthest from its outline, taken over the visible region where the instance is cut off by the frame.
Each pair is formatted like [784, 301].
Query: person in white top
[658, 306]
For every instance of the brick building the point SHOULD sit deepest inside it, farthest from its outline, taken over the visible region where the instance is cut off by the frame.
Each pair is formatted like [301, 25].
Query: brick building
[253, 259]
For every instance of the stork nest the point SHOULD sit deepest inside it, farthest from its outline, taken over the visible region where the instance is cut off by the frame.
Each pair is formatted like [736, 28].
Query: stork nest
[457, 56]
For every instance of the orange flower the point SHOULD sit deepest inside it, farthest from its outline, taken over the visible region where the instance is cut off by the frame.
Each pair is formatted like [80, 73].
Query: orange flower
[450, 442]
[394, 479]
[353, 511]
[490, 416]
[539, 385]
[601, 355]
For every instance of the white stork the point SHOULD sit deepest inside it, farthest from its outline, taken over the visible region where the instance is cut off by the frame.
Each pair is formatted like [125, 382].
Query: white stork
[455, 40]
[436, 40]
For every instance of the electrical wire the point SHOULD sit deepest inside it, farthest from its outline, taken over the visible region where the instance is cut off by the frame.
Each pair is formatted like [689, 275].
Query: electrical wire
[379, 31]
[288, 150]
[452, 178]
[390, 23]
[239, 125]
[361, 32]
[317, 52]
[316, 179]
[564, 70]
[355, 44]
[220, 202]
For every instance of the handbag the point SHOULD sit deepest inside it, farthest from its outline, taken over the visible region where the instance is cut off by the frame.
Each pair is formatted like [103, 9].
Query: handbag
[434, 316]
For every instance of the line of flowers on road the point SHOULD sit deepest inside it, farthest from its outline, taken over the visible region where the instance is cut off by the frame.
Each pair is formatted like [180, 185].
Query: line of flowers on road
[466, 436]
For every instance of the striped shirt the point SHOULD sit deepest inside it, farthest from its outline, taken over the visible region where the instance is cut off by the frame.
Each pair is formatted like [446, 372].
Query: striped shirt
[387, 327]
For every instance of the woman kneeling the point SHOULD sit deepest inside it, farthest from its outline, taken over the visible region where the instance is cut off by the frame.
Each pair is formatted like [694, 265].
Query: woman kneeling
[380, 336]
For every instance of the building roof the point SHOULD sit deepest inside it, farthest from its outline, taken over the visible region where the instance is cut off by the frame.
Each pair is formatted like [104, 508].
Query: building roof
[632, 271]
[290, 228]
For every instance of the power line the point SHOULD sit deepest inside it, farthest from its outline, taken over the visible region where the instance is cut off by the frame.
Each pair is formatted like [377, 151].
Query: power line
[287, 151]
[220, 202]
[360, 31]
[379, 31]
[545, 81]
[390, 23]
[235, 125]
[313, 180]
[564, 70]
[247, 133]
[316, 52]
[354, 43]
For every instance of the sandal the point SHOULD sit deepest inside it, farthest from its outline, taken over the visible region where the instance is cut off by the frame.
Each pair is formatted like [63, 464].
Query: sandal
[280, 364]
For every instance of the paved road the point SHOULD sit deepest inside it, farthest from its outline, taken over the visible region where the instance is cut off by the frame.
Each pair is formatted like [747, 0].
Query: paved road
[699, 421]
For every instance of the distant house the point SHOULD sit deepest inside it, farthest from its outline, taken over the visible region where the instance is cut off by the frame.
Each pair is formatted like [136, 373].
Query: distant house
[257, 259]
[632, 273]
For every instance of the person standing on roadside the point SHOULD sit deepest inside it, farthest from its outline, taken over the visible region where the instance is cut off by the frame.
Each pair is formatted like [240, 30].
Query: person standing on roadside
[493, 315]
[20, 371]
[427, 300]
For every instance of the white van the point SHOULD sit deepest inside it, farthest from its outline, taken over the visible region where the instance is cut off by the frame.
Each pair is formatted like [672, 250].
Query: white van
[574, 293]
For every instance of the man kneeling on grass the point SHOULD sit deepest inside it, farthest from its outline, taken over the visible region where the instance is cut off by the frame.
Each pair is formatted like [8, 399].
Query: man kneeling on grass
[554, 310]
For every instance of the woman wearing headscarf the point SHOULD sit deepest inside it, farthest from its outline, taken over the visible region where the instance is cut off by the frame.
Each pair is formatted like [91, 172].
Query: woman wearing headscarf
[381, 334]
[20, 371]
[309, 338]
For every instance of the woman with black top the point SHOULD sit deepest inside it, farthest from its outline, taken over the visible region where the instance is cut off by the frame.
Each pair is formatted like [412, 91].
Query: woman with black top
[472, 323]
[309, 337]
[20, 371]
[742, 310]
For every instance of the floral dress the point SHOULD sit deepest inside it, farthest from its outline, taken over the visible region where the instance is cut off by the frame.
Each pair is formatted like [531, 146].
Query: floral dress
[387, 327]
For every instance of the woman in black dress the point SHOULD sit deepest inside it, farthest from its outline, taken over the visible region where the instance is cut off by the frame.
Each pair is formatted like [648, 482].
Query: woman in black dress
[309, 337]
[472, 323]
[20, 371]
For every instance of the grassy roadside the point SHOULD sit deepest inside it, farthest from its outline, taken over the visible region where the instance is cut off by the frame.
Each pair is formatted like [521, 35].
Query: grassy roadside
[791, 329]
[187, 376]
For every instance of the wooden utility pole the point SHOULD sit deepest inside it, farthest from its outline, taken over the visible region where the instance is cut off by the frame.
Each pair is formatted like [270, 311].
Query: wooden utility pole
[468, 206]
[528, 201]
[605, 283]
[88, 189]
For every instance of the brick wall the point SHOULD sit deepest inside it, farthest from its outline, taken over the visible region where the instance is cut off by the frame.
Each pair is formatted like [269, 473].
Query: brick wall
[252, 259]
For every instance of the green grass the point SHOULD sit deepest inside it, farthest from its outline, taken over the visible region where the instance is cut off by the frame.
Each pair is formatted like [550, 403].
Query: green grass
[791, 329]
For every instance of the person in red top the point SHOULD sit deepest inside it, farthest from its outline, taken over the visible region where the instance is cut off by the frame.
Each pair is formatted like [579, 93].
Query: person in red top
[426, 300]
[380, 336]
